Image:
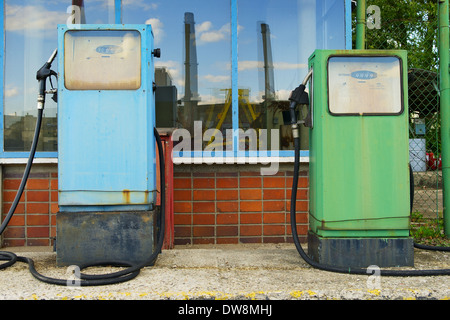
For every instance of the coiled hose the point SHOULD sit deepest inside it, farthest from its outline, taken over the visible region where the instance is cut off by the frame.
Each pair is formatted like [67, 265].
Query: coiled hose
[129, 273]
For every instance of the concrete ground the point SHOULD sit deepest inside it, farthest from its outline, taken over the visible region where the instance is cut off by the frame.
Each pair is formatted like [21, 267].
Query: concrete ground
[236, 272]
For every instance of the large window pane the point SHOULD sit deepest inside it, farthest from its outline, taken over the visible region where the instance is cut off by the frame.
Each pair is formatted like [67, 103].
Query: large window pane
[30, 38]
[275, 39]
[193, 75]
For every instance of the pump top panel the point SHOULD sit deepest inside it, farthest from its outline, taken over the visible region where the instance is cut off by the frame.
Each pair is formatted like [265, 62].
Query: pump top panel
[106, 117]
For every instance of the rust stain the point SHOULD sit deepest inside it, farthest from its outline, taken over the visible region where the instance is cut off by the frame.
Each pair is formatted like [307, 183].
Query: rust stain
[126, 195]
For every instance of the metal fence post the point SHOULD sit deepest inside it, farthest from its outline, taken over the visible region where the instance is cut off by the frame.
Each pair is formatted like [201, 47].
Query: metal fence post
[445, 107]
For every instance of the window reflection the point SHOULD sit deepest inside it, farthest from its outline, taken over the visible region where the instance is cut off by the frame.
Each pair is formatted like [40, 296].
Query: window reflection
[193, 75]
[30, 38]
[275, 40]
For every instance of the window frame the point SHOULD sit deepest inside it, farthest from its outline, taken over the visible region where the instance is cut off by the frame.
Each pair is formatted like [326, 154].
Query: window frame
[188, 157]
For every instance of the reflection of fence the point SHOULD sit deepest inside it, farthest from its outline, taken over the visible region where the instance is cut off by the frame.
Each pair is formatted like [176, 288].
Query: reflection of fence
[417, 33]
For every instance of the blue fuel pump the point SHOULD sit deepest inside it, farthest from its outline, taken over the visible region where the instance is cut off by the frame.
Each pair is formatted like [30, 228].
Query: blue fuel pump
[112, 197]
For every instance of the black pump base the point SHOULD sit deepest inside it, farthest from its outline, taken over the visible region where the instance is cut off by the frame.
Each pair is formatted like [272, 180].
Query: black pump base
[86, 237]
[361, 252]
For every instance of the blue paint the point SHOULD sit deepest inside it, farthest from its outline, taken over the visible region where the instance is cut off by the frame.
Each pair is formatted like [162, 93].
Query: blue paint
[234, 74]
[118, 11]
[106, 143]
[348, 24]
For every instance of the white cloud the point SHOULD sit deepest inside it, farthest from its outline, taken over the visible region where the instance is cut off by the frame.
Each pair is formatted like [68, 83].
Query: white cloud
[206, 34]
[157, 28]
[32, 17]
[11, 92]
[215, 79]
[141, 4]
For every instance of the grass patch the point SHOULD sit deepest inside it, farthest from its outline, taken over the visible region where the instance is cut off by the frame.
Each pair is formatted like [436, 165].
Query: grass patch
[428, 231]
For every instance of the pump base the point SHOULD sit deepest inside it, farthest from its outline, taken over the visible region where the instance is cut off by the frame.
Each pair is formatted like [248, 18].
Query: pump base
[361, 252]
[86, 237]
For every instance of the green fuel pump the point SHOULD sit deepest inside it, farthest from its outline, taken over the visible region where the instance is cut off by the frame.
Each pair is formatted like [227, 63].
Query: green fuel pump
[359, 163]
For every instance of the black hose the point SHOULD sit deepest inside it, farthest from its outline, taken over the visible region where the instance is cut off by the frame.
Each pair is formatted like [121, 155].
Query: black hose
[402, 273]
[85, 279]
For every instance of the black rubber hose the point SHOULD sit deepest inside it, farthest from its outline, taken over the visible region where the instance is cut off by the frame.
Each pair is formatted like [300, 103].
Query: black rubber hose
[95, 280]
[304, 255]
[9, 256]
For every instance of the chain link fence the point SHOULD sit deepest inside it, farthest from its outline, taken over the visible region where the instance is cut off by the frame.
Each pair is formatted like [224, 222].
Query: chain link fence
[413, 27]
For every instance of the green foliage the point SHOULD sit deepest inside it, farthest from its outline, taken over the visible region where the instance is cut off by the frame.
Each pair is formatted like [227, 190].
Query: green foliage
[428, 231]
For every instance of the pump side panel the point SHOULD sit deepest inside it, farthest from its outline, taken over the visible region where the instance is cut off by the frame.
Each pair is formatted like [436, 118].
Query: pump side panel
[359, 171]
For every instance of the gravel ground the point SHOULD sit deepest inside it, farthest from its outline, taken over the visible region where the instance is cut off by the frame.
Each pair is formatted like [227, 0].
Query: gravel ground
[237, 272]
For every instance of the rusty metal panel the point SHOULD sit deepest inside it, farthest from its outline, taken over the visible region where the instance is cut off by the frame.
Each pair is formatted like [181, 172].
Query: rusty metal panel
[84, 237]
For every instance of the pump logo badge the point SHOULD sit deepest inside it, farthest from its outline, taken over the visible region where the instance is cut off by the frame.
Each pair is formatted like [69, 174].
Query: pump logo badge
[109, 49]
[364, 75]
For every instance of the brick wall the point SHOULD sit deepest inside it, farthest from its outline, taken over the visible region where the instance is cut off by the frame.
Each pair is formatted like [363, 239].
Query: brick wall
[212, 205]
[33, 223]
[221, 204]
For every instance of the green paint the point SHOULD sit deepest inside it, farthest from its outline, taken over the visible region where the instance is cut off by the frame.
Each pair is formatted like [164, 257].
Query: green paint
[359, 174]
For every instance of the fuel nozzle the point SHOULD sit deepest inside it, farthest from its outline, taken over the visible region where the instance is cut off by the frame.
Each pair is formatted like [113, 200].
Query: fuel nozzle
[41, 76]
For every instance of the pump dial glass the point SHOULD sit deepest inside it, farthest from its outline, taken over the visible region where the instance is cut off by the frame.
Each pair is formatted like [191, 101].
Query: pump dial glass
[364, 85]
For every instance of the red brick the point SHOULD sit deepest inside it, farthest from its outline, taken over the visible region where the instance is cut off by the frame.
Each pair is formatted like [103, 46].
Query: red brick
[302, 194]
[54, 196]
[38, 242]
[250, 194]
[182, 207]
[299, 206]
[274, 217]
[227, 194]
[14, 232]
[204, 207]
[227, 206]
[251, 206]
[273, 230]
[227, 231]
[182, 231]
[204, 195]
[203, 219]
[37, 220]
[227, 240]
[227, 218]
[182, 183]
[39, 196]
[54, 184]
[182, 219]
[251, 230]
[17, 220]
[9, 196]
[38, 232]
[203, 231]
[37, 207]
[302, 182]
[181, 195]
[204, 240]
[250, 183]
[227, 182]
[11, 184]
[14, 242]
[274, 182]
[37, 184]
[19, 209]
[270, 206]
[54, 208]
[274, 194]
[204, 183]
[251, 218]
